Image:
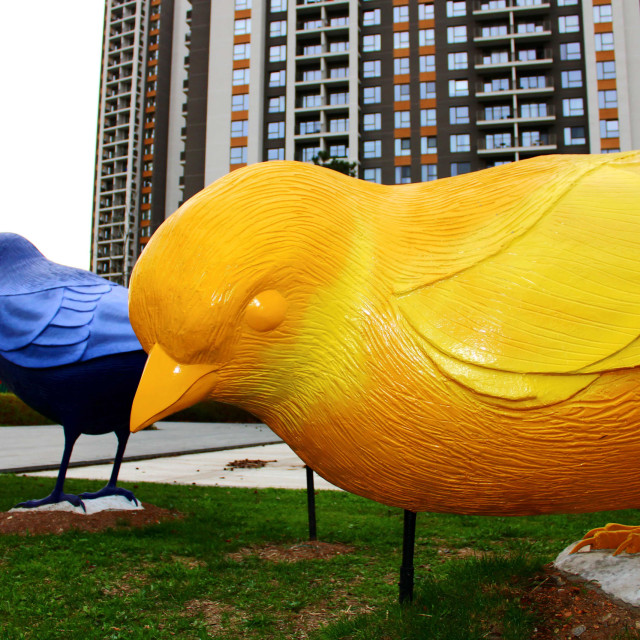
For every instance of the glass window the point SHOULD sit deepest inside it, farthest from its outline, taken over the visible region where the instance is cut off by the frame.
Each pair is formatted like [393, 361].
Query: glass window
[602, 13]
[371, 95]
[571, 79]
[427, 63]
[427, 37]
[459, 115]
[338, 45]
[604, 41]
[278, 78]
[401, 92]
[241, 51]
[371, 68]
[501, 112]
[428, 145]
[460, 142]
[427, 117]
[429, 172]
[371, 148]
[276, 105]
[570, 51]
[400, 39]
[400, 66]
[278, 53]
[568, 24]
[455, 9]
[238, 155]
[371, 42]
[370, 18]
[373, 175]
[456, 34]
[278, 28]
[242, 4]
[572, 107]
[338, 150]
[425, 11]
[458, 168]
[309, 127]
[242, 26]
[339, 72]
[609, 129]
[278, 5]
[402, 119]
[239, 128]
[608, 99]
[371, 121]
[574, 135]
[606, 70]
[533, 110]
[427, 90]
[403, 175]
[401, 14]
[240, 102]
[566, 3]
[240, 76]
[458, 88]
[275, 130]
[338, 125]
[403, 146]
[275, 154]
[339, 97]
[457, 60]
[309, 153]
[531, 82]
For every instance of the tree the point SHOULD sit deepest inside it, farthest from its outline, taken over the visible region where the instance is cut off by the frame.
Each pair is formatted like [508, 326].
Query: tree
[337, 164]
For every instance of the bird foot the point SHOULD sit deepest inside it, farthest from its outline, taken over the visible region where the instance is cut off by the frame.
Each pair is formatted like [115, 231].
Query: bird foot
[620, 537]
[109, 491]
[54, 498]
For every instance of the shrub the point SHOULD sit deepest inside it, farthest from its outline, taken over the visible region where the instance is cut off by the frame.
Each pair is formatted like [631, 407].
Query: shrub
[14, 412]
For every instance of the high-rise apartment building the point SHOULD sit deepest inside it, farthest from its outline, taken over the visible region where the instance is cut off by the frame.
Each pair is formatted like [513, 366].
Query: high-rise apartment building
[409, 90]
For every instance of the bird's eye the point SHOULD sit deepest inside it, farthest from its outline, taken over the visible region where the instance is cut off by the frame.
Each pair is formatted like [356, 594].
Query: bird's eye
[266, 311]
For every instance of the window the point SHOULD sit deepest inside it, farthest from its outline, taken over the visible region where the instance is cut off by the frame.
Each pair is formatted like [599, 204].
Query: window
[403, 175]
[400, 66]
[401, 14]
[496, 57]
[310, 75]
[373, 175]
[458, 168]
[312, 50]
[608, 99]
[238, 155]
[240, 102]
[427, 63]
[370, 18]
[527, 54]
[455, 9]
[278, 78]
[458, 88]
[371, 68]
[339, 72]
[495, 30]
[460, 142]
[570, 51]
[240, 76]
[400, 39]
[278, 28]
[239, 128]
[457, 60]
[602, 13]
[459, 115]
[338, 125]
[340, 97]
[276, 105]
[566, 3]
[425, 11]
[278, 5]
[309, 127]
[456, 34]
[275, 154]
[241, 51]
[278, 53]
[533, 110]
[427, 90]
[572, 107]
[371, 42]
[403, 146]
[429, 172]
[532, 82]
[371, 148]
[338, 45]
[604, 41]
[574, 135]
[309, 153]
[609, 129]
[338, 151]
[242, 26]
[275, 130]
[534, 138]
[606, 70]
[242, 4]
[371, 95]
[402, 119]
[371, 121]
[428, 145]
[401, 92]
[427, 117]
[427, 37]
[568, 24]
[571, 79]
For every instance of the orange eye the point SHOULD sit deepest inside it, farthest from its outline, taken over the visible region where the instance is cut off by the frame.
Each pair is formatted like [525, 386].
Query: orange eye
[266, 311]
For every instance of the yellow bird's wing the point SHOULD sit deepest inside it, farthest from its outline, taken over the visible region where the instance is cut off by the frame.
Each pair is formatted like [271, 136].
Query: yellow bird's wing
[539, 320]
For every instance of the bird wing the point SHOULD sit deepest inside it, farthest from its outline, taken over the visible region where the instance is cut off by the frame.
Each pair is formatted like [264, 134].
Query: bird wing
[539, 320]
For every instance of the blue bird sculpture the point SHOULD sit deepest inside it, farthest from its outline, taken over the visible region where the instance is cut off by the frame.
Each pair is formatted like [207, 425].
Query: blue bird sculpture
[67, 349]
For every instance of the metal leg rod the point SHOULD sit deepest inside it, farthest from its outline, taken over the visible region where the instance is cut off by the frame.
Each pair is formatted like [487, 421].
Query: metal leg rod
[406, 570]
[311, 504]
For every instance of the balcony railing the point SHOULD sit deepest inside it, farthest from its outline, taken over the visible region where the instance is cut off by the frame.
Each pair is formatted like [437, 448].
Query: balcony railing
[526, 142]
[506, 58]
[500, 32]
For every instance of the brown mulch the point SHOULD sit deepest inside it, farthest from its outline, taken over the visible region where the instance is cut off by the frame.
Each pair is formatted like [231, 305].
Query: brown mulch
[311, 550]
[38, 522]
[247, 464]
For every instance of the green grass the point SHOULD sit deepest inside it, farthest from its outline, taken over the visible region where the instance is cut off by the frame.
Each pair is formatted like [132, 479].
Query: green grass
[176, 579]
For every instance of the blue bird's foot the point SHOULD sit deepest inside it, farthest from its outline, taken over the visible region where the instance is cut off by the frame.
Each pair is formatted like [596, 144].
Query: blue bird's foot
[107, 491]
[54, 498]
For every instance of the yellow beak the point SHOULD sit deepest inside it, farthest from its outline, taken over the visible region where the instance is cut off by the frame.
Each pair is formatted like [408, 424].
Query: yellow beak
[167, 386]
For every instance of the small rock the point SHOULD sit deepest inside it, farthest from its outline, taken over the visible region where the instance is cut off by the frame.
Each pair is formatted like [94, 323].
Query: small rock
[578, 631]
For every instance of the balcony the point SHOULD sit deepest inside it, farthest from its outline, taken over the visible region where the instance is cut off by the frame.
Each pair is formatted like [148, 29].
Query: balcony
[492, 8]
[494, 90]
[504, 59]
[524, 31]
[330, 25]
[525, 143]
[500, 116]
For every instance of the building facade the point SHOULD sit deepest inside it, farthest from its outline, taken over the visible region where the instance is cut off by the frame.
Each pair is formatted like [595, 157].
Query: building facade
[408, 90]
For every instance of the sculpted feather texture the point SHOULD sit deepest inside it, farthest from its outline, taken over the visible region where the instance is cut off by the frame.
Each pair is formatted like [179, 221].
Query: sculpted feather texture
[468, 345]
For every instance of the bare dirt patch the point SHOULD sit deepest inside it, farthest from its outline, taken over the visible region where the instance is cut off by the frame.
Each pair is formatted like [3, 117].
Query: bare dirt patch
[247, 464]
[312, 550]
[39, 522]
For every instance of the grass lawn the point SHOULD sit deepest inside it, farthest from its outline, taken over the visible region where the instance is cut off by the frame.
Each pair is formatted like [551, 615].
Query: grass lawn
[195, 578]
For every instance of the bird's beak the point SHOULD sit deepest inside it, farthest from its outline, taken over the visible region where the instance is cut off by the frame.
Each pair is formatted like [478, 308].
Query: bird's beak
[167, 386]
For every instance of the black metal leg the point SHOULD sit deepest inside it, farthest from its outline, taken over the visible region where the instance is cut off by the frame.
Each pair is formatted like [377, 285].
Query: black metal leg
[406, 570]
[123, 438]
[311, 504]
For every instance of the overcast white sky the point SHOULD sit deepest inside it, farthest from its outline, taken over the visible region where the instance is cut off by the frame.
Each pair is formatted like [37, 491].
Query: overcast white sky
[50, 74]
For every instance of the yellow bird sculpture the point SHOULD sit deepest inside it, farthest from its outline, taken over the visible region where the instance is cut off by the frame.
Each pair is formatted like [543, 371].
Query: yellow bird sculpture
[469, 345]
